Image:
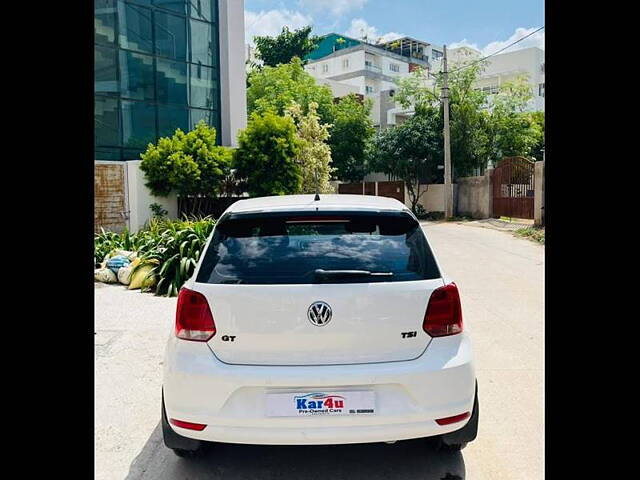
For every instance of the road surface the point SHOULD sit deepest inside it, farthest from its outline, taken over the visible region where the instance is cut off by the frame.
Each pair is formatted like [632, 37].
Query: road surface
[502, 286]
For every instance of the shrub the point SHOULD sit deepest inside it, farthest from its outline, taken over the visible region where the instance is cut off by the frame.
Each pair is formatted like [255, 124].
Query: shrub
[265, 159]
[191, 164]
[174, 246]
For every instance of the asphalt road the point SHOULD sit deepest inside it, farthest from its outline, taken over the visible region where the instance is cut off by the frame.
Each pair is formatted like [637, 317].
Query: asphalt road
[502, 288]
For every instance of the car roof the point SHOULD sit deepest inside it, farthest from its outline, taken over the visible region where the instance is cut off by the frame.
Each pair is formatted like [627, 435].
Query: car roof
[307, 202]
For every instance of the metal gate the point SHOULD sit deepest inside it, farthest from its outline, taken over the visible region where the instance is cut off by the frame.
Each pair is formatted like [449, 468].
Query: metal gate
[513, 188]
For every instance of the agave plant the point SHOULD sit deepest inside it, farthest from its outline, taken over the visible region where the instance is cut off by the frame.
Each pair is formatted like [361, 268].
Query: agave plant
[177, 249]
[174, 246]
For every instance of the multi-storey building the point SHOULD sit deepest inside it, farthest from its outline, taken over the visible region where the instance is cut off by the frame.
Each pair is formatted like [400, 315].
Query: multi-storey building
[370, 70]
[505, 67]
[166, 64]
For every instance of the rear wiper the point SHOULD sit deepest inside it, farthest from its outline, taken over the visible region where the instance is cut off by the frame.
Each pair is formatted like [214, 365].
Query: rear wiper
[349, 273]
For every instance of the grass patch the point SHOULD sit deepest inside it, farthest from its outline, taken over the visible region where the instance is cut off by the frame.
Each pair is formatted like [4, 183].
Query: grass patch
[532, 233]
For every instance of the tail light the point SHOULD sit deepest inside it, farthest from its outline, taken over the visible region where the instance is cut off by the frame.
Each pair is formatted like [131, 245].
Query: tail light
[444, 314]
[193, 317]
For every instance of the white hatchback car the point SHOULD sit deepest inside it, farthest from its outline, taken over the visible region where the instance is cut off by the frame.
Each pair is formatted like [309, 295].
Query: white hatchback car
[312, 322]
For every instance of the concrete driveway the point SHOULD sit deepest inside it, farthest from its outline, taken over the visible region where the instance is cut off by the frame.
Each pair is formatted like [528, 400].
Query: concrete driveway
[501, 282]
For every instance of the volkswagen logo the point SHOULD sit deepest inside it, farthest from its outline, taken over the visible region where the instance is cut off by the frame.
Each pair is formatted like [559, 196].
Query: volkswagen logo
[319, 314]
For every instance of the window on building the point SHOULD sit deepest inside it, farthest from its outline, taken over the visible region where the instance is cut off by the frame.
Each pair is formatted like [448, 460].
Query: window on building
[541, 89]
[105, 71]
[203, 43]
[203, 90]
[171, 117]
[171, 35]
[134, 30]
[179, 6]
[107, 121]
[136, 76]
[138, 124]
[104, 21]
[394, 67]
[369, 89]
[325, 67]
[172, 81]
[345, 63]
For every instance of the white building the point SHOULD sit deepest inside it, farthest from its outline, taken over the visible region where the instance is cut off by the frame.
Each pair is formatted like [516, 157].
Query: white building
[505, 67]
[501, 68]
[372, 70]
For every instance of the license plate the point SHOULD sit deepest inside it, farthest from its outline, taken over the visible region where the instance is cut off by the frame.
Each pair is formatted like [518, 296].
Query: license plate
[320, 403]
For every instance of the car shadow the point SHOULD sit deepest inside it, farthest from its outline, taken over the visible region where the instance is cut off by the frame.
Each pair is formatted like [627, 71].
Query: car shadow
[408, 459]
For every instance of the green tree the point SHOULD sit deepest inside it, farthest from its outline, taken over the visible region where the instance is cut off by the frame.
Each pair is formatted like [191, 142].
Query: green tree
[191, 164]
[538, 120]
[315, 155]
[512, 130]
[351, 134]
[285, 46]
[412, 152]
[277, 88]
[468, 119]
[265, 160]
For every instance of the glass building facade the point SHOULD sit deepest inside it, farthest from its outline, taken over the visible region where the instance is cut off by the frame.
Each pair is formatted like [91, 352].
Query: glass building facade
[156, 69]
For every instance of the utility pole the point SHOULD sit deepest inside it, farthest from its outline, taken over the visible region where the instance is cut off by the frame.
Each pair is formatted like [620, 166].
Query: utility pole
[448, 188]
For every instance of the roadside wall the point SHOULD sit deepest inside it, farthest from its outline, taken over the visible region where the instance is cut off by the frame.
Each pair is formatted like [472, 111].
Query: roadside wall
[475, 196]
[140, 198]
[121, 199]
[433, 199]
[538, 202]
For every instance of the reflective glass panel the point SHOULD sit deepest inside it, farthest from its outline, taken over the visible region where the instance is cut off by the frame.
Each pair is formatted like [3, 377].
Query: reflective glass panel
[171, 78]
[136, 76]
[135, 28]
[138, 123]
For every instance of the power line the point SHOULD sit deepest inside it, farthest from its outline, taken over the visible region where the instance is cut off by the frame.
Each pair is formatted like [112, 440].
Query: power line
[495, 53]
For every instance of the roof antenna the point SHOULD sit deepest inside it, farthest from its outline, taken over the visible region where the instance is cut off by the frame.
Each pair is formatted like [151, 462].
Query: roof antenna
[317, 197]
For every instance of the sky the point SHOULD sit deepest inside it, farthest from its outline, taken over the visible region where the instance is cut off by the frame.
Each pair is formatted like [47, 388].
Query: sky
[487, 26]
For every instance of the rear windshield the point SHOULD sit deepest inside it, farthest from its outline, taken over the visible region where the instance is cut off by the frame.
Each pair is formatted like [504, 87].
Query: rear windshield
[337, 248]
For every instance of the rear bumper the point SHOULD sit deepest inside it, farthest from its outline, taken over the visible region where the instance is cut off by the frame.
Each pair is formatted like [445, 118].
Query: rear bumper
[230, 399]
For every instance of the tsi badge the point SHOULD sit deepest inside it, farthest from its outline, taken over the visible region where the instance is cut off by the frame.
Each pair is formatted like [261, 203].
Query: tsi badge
[319, 314]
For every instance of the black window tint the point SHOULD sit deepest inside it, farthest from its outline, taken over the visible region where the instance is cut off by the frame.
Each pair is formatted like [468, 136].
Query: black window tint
[278, 249]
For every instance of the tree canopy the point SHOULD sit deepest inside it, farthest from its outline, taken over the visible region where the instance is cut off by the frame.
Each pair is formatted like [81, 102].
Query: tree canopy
[187, 163]
[350, 137]
[315, 155]
[412, 152]
[266, 158]
[277, 88]
[283, 47]
[483, 128]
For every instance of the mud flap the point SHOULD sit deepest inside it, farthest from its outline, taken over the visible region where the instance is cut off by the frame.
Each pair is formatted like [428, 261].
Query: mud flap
[469, 431]
[172, 439]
